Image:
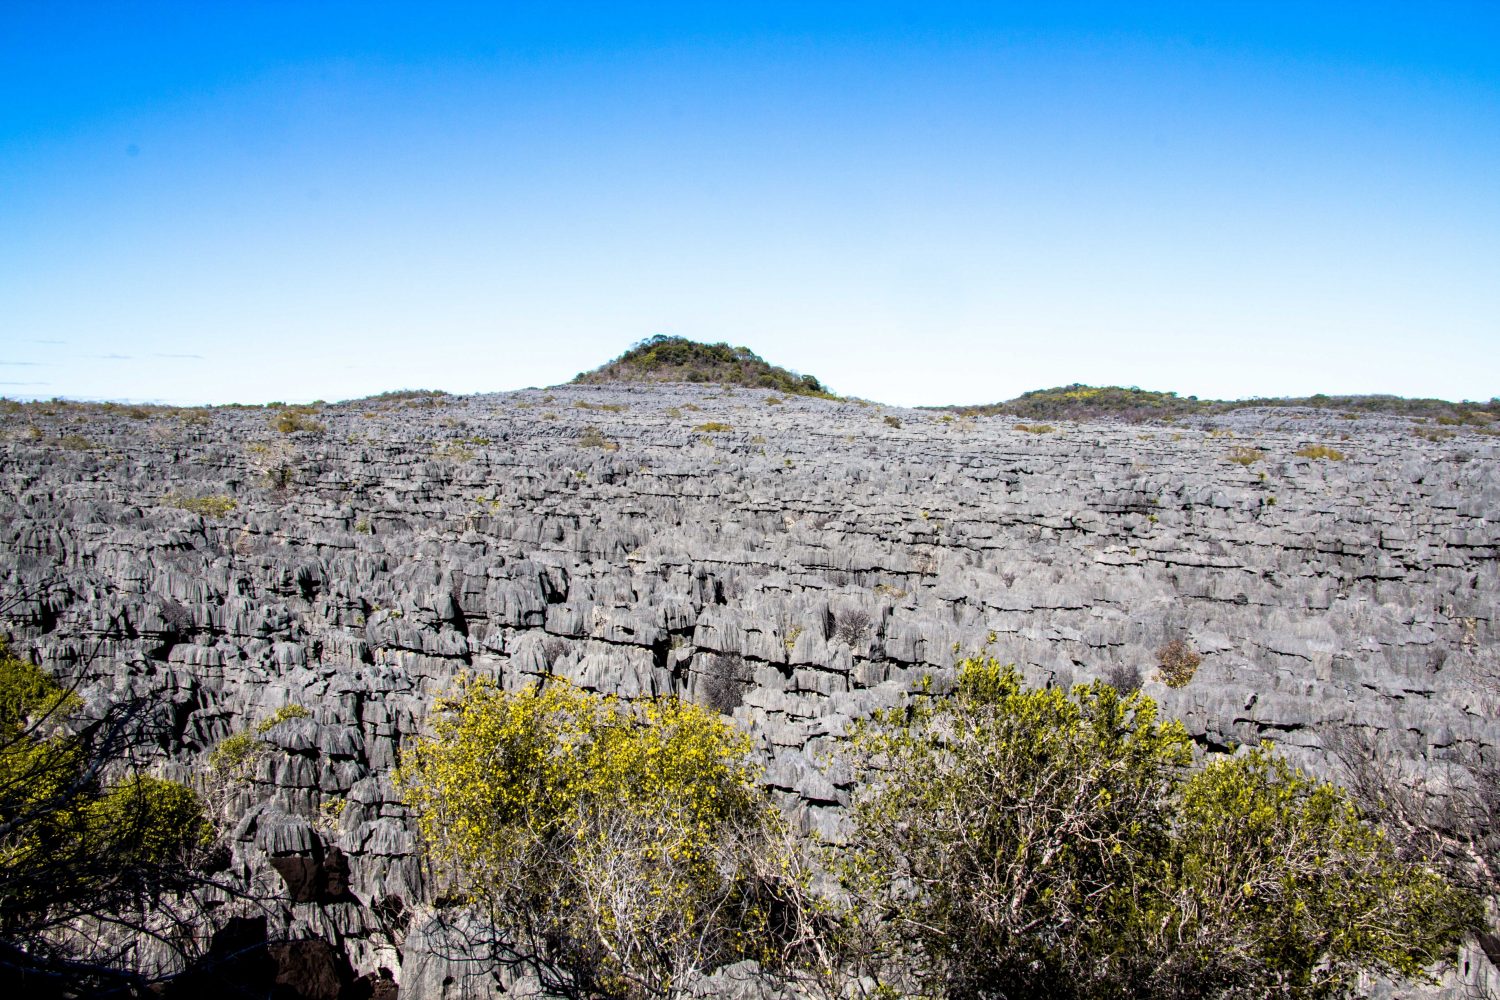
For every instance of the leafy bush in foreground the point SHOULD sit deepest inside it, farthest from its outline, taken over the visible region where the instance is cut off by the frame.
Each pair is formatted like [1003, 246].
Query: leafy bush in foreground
[621, 850]
[76, 847]
[1031, 843]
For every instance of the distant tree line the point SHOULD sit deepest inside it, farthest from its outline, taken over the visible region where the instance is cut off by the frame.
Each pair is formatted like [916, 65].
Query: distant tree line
[1132, 404]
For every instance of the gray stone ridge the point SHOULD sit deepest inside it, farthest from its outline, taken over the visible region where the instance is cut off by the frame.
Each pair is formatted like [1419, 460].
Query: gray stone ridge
[795, 562]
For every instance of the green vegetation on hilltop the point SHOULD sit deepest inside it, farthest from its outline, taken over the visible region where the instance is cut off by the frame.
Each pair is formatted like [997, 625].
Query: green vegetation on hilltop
[1082, 402]
[1087, 402]
[677, 359]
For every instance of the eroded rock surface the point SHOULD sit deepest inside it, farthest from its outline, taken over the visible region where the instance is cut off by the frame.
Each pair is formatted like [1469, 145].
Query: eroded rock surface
[798, 561]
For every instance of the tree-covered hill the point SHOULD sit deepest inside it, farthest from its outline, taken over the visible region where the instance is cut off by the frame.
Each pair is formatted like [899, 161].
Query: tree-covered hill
[677, 359]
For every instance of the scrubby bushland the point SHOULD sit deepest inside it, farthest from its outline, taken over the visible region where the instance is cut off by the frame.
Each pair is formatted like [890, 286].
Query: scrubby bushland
[621, 850]
[93, 851]
[277, 463]
[677, 359]
[1035, 843]
[1088, 402]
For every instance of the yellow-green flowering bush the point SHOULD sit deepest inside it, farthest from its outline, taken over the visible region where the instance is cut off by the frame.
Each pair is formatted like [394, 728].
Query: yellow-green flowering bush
[622, 848]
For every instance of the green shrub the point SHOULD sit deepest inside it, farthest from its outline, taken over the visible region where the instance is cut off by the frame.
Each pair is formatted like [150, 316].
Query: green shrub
[1277, 886]
[714, 427]
[28, 696]
[892, 421]
[1244, 455]
[998, 827]
[236, 755]
[1036, 843]
[1033, 428]
[74, 442]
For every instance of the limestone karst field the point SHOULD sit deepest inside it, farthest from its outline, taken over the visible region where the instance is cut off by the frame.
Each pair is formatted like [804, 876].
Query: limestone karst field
[1321, 577]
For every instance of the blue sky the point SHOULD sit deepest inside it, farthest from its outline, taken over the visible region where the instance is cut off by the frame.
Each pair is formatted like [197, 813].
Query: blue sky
[919, 203]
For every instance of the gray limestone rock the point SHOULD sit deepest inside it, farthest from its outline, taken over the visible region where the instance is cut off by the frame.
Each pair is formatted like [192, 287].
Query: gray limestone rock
[832, 559]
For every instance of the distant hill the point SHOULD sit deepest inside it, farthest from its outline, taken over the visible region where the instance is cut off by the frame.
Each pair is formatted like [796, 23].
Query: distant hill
[1087, 402]
[677, 359]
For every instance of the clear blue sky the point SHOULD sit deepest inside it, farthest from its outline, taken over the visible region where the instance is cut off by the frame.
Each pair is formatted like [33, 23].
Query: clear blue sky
[919, 203]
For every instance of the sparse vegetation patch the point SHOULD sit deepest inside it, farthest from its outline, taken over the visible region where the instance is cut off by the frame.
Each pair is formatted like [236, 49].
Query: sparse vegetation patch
[217, 505]
[1320, 451]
